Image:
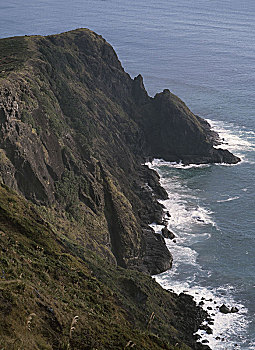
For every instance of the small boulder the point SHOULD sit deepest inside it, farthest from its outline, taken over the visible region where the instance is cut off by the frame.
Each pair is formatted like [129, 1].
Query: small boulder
[167, 234]
[224, 309]
[206, 328]
[234, 309]
[197, 337]
[209, 331]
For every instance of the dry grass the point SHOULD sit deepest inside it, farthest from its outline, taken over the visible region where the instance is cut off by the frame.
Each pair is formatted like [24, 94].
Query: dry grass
[45, 278]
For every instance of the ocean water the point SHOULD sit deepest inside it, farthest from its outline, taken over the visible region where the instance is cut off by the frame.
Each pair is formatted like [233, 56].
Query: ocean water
[203, 51]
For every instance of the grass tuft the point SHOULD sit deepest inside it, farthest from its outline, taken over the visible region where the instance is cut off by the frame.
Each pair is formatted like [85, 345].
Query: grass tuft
[73, 326]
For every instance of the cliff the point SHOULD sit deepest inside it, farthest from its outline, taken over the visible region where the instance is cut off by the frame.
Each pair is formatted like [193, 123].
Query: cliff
[75, 131]
[68, 142]
[48, 282]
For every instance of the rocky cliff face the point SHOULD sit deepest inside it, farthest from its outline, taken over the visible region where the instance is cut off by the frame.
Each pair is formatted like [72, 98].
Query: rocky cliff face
[75, 129]
[174, 133]
[57, 295]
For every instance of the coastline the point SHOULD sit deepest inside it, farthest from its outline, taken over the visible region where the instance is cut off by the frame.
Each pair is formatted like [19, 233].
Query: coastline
[212, 329]
[91, 178]
[204, 327]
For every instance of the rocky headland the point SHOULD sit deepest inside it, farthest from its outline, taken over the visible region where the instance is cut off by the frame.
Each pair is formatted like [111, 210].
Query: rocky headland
[76, 200]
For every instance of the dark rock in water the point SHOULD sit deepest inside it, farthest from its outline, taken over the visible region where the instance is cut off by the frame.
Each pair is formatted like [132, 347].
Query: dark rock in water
[206, 328]
[224, 309]
[205, 341]
[205, 347]
[201, 346]
[185, 296]
[158, 258]
[187, 304]
[209, 330]
[234, 309]
[153, 182]
[194, 143]
[167, 233]
[199, 219]
[197, 336]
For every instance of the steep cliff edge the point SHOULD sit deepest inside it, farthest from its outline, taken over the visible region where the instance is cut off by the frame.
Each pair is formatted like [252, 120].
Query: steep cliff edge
[174, 133]
[75, 129]
[68, 143]
[56, 295]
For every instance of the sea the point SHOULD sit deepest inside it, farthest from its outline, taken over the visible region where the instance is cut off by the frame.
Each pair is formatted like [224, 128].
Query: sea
[204, 52]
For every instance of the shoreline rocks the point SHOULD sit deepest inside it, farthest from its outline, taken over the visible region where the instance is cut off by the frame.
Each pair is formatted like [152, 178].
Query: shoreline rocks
[167, 233]
[226, 310]
[157, 256]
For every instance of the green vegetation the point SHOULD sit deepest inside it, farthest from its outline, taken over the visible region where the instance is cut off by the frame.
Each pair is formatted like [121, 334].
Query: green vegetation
[74, 133]
[67, 193]
[13, 53]
[46, 281]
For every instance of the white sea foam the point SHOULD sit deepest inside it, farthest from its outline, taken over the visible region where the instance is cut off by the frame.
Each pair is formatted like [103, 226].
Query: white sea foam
[238, 140]
[189, 221]
[184, 207]
[192, 222]
[180, 165]
[226, 326]
[228, 199]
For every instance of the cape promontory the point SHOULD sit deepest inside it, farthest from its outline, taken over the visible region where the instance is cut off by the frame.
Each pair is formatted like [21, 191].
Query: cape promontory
[76, 200]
